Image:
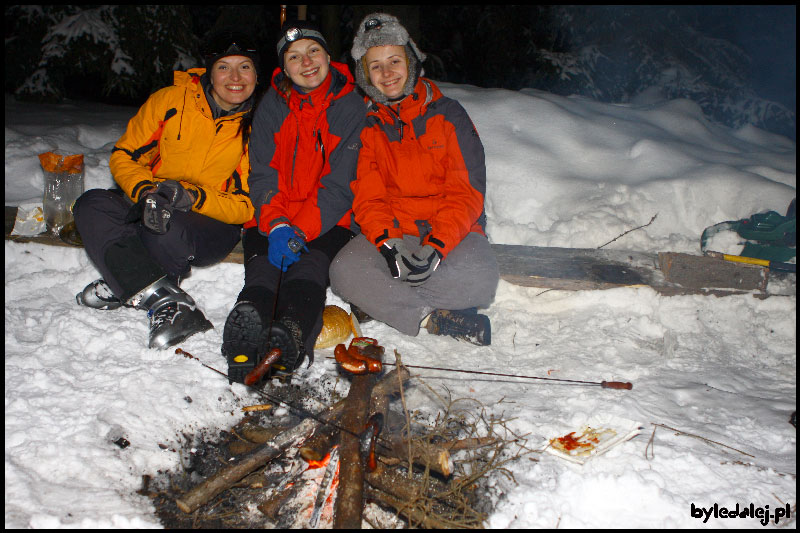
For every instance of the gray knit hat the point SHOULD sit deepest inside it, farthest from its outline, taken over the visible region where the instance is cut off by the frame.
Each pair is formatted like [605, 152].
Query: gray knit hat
[381, 29]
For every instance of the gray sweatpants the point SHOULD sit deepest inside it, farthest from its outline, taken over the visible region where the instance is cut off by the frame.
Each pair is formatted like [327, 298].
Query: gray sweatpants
[466, 278]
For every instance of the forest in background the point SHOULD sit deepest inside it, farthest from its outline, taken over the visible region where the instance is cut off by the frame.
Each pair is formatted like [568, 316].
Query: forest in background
[736, 62]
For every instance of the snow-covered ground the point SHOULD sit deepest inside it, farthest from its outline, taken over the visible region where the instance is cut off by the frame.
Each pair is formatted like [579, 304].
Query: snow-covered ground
[562, 172]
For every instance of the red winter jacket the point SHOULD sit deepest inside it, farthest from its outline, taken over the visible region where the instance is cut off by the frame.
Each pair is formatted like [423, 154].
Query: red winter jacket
[303, 155]
[421, 171]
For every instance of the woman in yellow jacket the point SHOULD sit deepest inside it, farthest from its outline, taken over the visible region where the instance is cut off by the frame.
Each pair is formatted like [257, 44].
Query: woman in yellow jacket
[181, 168]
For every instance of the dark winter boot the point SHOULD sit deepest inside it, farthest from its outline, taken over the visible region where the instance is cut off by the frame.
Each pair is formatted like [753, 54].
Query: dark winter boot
[300, 312]
[98, 295]
[242, 339]
[466, 325]
[360, 315]
[286, 335]
[173, 314]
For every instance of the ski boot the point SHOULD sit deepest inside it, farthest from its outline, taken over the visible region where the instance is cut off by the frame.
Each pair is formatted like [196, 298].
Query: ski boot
[173, 314]
[466, 325]
[98, 295]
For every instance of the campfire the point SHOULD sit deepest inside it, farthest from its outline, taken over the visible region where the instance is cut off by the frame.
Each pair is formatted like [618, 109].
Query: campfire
[361, 461]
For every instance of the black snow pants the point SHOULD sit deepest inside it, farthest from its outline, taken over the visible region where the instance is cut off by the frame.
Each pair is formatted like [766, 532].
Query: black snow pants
[131, 258]
[301, 295]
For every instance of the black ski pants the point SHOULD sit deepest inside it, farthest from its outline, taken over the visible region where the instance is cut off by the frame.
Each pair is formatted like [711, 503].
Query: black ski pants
[130, 257]
[302, 291]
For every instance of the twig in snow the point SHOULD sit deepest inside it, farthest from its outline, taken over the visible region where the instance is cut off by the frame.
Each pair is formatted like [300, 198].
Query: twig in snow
[405, 410]
[651, 443]
[630, 230]
[679, 432]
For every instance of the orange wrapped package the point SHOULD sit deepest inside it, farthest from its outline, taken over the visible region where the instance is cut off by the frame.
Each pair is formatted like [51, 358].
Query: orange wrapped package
[63, 184]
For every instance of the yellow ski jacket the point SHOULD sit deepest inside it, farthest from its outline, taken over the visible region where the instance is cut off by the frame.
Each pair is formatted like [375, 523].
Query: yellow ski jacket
[175, 137]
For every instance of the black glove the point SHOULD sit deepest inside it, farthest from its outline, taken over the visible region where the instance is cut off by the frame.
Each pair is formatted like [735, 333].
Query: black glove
[424, 261]
[397, 257]
[159, 204]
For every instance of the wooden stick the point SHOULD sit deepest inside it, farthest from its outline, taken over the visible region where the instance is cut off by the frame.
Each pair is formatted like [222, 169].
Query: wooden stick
[435, 456]
[259, 407]
[227, 477]
[350, 493]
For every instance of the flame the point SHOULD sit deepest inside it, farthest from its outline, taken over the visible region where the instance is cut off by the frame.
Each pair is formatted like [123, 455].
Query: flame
[322, 463]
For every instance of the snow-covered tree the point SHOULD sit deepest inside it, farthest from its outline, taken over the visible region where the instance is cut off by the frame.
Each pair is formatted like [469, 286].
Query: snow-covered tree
[125, 51]
[616, 54]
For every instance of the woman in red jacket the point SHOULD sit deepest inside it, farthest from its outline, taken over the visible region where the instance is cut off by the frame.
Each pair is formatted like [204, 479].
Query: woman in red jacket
[303, 153]
[423, 256]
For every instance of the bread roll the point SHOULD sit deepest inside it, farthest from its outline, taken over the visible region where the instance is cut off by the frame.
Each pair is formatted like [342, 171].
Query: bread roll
[336, 327]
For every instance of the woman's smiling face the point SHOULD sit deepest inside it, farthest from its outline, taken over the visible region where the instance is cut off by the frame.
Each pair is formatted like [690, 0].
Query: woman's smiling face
[233, 80]
[387, 67]
[307, 64]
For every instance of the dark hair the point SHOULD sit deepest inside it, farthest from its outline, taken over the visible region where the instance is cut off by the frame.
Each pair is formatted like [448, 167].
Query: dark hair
[246, 124]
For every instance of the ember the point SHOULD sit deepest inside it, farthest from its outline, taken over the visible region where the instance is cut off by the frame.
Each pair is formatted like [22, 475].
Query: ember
[312, 464]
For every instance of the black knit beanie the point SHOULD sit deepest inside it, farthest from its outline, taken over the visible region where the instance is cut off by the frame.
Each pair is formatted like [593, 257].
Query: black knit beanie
[227, 42]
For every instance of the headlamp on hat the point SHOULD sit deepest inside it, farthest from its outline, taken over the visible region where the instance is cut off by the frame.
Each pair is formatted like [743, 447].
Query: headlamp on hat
[296, 31]
[382, 29]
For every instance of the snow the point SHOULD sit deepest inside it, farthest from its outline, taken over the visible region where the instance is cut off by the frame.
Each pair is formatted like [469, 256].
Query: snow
[562, 171]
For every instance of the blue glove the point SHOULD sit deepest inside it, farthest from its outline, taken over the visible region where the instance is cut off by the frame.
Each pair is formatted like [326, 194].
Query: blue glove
[424, 262]
[284, 247]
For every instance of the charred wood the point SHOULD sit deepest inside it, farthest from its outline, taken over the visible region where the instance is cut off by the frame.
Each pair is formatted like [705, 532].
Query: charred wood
[230, 475]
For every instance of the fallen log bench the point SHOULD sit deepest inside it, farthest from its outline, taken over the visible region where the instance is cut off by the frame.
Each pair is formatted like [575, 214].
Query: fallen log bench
[573, 269]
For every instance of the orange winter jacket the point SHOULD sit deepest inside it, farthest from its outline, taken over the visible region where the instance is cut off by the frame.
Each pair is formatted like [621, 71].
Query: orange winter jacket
[304, 152]
[421, 171]
[175, 137]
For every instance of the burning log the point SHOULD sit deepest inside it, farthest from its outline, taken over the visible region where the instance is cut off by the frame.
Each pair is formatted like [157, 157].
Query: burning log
[230, 475]
[316, 446]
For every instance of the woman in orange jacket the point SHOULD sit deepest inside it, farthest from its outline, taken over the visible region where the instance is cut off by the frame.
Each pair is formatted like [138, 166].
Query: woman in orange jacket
[303, 153]
[422, 256]
[181, 169]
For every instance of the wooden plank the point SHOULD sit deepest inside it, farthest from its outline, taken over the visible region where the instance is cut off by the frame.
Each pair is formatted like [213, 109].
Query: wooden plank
[698, 272]
[576, 268]
[582, 268]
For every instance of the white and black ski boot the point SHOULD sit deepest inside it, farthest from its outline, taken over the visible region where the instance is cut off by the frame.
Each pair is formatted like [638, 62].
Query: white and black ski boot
[173, 314]
[98, 295]
[466, 325]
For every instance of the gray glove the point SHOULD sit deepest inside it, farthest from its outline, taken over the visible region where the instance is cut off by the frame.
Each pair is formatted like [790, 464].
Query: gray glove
[397, 258]
[161, 202]
[424, 261]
